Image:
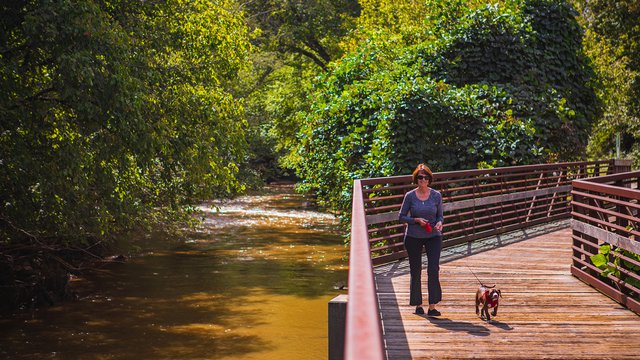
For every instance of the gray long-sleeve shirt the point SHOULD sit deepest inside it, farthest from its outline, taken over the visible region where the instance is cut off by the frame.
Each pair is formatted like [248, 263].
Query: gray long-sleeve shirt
[430, 210]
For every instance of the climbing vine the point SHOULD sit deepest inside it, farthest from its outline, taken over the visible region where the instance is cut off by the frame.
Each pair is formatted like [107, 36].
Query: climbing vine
[499, 85]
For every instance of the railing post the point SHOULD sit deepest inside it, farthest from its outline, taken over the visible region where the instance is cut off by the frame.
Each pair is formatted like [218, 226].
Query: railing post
[621, 165]
[337, 320]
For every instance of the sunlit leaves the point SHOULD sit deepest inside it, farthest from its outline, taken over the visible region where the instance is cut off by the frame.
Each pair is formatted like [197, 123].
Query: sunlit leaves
[481, 85]
[117, 114]
[612, 41]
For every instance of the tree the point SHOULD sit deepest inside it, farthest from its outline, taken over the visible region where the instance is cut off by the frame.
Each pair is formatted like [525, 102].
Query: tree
[294, 42]
[117, 115]
[612, 41]
[308, 28]
[499, 85]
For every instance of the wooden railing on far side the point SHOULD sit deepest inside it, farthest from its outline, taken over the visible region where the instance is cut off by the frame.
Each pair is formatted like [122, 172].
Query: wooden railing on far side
[477, 203]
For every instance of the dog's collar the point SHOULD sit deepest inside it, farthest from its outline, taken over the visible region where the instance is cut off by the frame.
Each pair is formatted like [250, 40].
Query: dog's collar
[487, 300]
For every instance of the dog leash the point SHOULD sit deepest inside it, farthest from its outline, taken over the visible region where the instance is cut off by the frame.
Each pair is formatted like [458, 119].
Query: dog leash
[480, 282]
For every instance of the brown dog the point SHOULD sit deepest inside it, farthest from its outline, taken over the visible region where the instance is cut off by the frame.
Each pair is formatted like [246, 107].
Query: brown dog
[488, 297]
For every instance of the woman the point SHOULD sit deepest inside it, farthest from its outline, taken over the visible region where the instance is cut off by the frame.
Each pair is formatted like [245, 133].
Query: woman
[422, 211]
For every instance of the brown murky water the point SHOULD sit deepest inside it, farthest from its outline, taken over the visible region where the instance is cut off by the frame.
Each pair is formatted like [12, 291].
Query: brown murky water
[252, 283]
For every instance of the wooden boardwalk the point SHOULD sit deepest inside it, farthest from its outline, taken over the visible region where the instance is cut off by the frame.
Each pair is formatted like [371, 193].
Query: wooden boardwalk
[545, 312]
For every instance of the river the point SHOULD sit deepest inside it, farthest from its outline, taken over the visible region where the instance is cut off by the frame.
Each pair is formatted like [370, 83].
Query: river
[252, 282]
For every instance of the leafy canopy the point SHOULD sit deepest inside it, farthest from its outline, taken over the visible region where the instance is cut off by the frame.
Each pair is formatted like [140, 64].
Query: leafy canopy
[493, 85]
[117, 114]
[612, 41]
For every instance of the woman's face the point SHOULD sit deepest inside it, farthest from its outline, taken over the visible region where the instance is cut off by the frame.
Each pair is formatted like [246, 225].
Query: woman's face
[423, 179]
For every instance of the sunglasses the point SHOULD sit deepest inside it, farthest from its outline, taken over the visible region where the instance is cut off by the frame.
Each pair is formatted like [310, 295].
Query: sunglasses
[422, 177]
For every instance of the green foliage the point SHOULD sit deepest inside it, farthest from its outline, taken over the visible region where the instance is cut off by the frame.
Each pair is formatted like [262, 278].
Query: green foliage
[414, 21]
[294, 42]
[309, 28]
[272, 114]
[116, 114]
[499, 85]
[601, 261]
[612, 41]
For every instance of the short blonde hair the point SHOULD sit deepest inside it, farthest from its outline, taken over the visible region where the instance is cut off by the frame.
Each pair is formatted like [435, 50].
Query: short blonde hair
[422, 168]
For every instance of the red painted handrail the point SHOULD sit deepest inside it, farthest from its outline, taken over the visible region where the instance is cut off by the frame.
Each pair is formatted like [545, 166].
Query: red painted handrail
[363, 332]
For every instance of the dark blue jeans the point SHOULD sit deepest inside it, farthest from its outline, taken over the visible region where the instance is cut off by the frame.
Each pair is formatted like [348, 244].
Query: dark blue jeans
[433, 247]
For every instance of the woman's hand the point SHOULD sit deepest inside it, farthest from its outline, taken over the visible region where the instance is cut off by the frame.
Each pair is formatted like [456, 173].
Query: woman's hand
[420, 221]
[439, 226]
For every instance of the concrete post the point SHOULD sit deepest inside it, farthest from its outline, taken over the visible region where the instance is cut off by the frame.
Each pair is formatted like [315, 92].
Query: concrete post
[337, 320]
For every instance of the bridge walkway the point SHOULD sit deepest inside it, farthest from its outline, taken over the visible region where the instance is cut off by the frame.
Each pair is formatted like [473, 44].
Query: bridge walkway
[545, 312]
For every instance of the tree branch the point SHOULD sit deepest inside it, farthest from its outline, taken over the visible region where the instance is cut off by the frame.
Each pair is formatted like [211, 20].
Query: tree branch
[314, 44]
[310, 55]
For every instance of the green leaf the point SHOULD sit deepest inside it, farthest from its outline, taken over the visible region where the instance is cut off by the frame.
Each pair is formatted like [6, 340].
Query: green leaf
[599, 260]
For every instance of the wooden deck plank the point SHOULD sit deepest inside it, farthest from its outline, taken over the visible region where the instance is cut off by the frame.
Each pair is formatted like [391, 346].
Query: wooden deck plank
[545, 312]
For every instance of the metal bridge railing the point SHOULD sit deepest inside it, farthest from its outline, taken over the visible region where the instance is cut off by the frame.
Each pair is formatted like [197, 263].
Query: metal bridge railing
[477, 203]
[606, 211]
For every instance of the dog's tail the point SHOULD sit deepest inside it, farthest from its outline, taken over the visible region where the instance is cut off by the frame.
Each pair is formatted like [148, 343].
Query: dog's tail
[480, 282]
